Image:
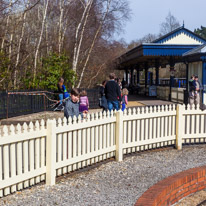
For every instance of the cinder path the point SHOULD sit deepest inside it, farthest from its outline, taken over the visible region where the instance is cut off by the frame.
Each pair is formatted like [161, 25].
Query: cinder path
[147, 101]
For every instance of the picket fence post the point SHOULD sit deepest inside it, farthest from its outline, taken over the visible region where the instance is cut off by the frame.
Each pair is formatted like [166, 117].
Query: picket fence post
[51, 153]
[119, 136]
[179, 126]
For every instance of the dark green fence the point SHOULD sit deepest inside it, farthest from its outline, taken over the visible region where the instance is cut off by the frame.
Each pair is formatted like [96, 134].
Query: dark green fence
[16, 103]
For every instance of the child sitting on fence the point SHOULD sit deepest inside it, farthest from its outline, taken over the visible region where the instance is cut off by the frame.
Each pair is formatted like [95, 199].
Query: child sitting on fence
[63, 94]
[124, 98]
[60, 89]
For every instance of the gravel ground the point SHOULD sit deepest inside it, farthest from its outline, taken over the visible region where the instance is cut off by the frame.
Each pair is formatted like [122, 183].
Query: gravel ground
[197, 198]
[113, 183]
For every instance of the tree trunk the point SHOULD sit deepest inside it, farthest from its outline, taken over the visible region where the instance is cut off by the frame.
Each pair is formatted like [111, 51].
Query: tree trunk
[61, 7]
[63, 33]
[93, 42]
[6, 29]
[101, 67]
[78, 43]
[47, 38]
[40, 38]
[19, 45]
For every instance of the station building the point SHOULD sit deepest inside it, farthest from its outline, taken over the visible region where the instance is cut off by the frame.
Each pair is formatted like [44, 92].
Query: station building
[178, 46]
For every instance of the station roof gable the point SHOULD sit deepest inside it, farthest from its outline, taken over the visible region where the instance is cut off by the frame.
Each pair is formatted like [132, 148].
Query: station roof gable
[181, 36]
[173, 45]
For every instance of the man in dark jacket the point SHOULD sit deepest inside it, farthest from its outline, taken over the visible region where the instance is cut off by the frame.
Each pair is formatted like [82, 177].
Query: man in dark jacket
[198, 87]
[112, 93]
[192, 89]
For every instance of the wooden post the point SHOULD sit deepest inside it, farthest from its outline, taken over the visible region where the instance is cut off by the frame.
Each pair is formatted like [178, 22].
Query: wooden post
[119, 136]
[126, 71]
[179, 126]
[157, 73]
[51, 153]
[132, 76]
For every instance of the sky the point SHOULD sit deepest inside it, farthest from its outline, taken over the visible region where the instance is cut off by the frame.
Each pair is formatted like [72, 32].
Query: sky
[147, 16]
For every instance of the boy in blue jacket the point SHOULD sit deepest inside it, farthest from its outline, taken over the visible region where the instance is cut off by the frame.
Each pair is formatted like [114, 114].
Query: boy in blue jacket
[71, 107]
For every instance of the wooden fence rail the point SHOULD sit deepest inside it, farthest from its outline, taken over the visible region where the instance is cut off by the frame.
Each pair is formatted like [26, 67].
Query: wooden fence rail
[38, 152]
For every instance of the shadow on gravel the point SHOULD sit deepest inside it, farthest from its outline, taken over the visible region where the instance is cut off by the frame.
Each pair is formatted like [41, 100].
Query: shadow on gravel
[202, 203]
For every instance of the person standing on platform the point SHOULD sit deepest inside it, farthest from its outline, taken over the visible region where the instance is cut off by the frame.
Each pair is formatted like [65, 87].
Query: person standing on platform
[103, 100]
[198, 89]
[192, 89]
[124, 98]
[112, 93]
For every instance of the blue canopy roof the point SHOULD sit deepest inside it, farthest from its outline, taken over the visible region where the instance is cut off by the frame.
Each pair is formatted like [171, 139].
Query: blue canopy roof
[162, 49]
[198, 50]
[165, 49]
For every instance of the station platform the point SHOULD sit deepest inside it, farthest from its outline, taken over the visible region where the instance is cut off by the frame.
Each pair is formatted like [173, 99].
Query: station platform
[137, 100]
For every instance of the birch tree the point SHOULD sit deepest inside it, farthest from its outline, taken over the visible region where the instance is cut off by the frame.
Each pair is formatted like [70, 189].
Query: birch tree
[61, 7]
[23, 18]
[171, 23]
[95, 76]
[93, 42]
[31, 30]
[78, 40]
[46, 2]
[7, 25]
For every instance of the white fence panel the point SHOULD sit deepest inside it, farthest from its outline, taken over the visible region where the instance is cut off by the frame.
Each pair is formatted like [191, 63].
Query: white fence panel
[89, 141]
[177, 95]
[148, 128]
[33, 153]
[20, 157]
[194, 124]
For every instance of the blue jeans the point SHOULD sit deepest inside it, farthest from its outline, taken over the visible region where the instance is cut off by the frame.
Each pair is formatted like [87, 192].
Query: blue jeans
[113, 105]
[61, 96]
[123, 106]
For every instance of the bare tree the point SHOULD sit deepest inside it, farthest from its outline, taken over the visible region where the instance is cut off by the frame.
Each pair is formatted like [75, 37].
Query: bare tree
[46, 2]
[170, 24]
[94, 39]
[79, 35]
[97, 73]
[32, 29]
[112, 11]
[7, 25]
[23, 19]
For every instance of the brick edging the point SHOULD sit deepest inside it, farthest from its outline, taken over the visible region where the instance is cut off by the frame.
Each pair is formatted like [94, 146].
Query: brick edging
[172, 189]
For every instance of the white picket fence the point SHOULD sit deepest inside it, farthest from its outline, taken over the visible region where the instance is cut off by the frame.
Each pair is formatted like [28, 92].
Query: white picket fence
[38, 152]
